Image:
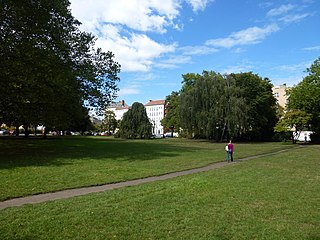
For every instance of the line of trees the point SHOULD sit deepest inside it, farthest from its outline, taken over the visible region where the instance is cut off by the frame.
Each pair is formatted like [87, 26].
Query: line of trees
[219, 107]
[50, 72]
[242, 106]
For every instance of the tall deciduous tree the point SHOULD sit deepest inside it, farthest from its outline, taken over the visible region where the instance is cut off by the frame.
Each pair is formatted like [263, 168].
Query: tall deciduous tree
[212, 107]
[293, 121]
[49, 68]
[109, 122]
[262, 109]
[135, 123]
[306, 97]
[235, 109]
[172, 118]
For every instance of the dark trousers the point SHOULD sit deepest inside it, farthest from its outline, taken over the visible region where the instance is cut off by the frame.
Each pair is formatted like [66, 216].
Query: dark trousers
[230, 156]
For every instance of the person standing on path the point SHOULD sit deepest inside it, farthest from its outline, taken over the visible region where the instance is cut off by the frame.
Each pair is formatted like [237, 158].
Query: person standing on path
[230, 151]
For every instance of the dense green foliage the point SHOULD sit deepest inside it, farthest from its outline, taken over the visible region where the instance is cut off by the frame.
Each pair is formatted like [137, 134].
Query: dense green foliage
[293, 122]
[261, 104]
[171, 121]
[215, 106]
[50, 72]
[135, 123]
[109, 123]
[212, 108]
[306, 97]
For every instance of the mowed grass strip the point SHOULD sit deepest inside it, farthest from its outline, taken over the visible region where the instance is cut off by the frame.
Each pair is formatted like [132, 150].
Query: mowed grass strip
[32, 166]
[275, 197]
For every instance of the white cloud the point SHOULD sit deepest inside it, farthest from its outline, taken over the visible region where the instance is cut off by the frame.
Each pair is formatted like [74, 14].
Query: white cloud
[141, 15]
[288, 13]
[174, 61]
[144, 77]
[138, 15]
[280, 10]
[247, 36]
[298, 68]
[239, 50]
[135, 52]
[198, 4]
[315, 48]
[265, 4]
[128, 91]
[122, 27]
[294, 17]
[198, 50]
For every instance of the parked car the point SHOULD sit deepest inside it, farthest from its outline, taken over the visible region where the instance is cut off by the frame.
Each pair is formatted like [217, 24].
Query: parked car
[4, 132]
[106, 134]
[158, 136]
[168, 134]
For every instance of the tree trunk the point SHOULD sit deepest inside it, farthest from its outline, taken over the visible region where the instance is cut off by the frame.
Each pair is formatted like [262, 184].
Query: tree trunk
[17, 131]
[224, 128]
[26, 130]
[45, 131]
[292, 137]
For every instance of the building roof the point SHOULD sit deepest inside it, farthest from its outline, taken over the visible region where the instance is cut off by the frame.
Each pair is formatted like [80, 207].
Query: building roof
[155, 102]
[119, 105]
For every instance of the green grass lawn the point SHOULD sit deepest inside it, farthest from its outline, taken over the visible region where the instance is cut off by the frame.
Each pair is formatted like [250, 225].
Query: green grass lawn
[274, 197]
[32, 166]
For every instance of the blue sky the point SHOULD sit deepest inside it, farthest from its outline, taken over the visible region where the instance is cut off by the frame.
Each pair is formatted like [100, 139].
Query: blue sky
[156, 41]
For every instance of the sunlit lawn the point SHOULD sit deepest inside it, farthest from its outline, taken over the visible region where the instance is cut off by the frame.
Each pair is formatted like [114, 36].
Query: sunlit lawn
[31, 166]
[274, 197]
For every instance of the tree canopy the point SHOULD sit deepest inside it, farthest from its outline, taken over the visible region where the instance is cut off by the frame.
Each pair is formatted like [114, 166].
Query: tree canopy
[211, 107]
[293, 121]
[262, 107]
[49, 69]
[218, 107]
[172, 119]
[135, 123]
[306, 97]
[109, 122]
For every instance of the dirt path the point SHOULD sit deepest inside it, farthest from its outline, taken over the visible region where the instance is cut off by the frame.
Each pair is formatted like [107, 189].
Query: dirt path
[16, 202]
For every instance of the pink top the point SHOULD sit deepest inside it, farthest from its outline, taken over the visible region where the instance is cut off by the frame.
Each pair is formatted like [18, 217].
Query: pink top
[230, 147]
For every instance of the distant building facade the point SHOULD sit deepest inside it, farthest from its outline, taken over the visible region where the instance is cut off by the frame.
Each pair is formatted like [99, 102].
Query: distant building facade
[156, 110]
[279, 92]
[119, 108]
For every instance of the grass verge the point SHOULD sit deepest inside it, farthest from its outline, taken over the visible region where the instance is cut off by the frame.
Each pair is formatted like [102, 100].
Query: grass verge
[275, 197]
[32, 166]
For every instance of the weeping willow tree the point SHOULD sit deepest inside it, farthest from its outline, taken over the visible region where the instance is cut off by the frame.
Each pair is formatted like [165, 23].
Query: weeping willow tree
[212, 106]
[234, 111]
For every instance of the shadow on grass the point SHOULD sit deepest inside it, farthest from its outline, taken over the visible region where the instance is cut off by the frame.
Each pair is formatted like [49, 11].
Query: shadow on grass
[57, 151]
